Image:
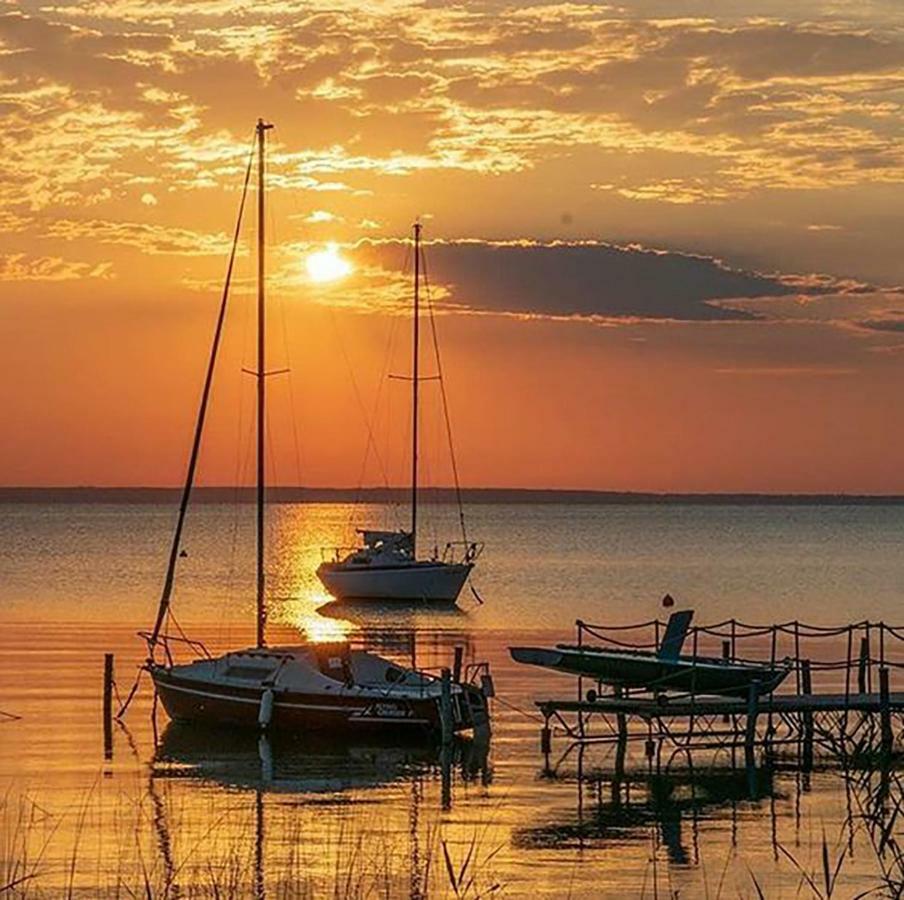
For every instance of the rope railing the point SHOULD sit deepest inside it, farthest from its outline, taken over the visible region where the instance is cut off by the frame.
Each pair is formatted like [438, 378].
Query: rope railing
[786, 644]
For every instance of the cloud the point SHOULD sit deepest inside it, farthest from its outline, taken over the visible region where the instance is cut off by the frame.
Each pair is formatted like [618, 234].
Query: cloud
[399, 89]
[153, 240]
[321, 216]
[591, 280]
[20, 267]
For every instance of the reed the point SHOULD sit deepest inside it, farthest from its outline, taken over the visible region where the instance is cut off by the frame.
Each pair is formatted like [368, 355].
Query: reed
[152, 850]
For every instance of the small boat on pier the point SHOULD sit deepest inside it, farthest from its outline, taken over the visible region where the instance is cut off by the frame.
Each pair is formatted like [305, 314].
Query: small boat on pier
[661, 671]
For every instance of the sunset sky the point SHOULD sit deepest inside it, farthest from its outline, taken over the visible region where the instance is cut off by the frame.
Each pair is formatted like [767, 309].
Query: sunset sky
[664, 239]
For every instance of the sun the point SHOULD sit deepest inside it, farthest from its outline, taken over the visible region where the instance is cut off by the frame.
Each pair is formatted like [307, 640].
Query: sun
[327, 265]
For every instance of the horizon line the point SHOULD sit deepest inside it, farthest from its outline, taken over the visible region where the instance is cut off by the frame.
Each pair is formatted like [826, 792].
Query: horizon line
[434, 494]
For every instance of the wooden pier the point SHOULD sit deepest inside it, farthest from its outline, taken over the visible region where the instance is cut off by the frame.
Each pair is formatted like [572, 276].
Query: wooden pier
[840, 705]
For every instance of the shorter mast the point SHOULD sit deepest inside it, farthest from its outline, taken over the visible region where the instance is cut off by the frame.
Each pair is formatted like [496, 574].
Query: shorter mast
[415, 381]
[262, 128]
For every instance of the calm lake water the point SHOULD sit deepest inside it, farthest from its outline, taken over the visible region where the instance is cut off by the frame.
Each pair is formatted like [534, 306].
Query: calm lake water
[175, 813]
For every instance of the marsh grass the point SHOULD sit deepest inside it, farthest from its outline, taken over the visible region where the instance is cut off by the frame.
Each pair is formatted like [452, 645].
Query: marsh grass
[147, 849]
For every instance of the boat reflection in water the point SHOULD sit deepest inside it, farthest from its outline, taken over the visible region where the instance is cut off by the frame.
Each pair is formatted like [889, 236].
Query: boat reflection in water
[669, 807]
[239, 759]
[296, 788]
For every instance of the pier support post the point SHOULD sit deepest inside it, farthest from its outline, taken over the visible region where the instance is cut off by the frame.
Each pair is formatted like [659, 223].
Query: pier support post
[621, 749]
[726, 655]
[885, 712]
[445, 761]
[546, 740]
[806, 717]
[445, 705]
[750, 732]
[108, 706]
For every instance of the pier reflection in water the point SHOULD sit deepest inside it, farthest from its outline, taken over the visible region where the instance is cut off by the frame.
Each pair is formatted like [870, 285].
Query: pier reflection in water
[614, 805]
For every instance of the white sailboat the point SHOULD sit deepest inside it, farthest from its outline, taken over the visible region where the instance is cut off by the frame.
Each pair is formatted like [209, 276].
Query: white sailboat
[386, 567]
[326, 687]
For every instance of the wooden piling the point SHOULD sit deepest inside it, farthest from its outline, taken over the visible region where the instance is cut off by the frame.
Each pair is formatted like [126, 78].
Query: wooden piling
[621, 749]
[885, 712]
[726, 655]
[806, 717]
[108, 706]
[546, 739]
[445, 706]
[445, 762]
[456, 665]
[750, 731]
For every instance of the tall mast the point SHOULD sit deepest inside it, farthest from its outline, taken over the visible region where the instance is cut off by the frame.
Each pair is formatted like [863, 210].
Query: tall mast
[415, 381]
[262, 127]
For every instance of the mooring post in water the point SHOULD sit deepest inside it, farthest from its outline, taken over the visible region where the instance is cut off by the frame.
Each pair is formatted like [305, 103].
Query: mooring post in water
[885, 712]
[445, 705]
[456, 665]
[750, 733]
[806, 717]
[108, 706]
[445, 762]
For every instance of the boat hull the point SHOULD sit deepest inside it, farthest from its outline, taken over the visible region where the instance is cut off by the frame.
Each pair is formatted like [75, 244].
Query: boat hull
[210, 703]
[646, 670]
[427, 582]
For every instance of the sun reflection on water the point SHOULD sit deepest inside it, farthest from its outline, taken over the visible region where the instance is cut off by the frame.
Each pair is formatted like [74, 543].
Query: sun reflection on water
[301, 613]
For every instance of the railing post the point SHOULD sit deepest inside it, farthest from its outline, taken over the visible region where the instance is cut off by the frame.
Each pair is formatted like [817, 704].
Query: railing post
[863, 665]
[726, 655]
[580, 627]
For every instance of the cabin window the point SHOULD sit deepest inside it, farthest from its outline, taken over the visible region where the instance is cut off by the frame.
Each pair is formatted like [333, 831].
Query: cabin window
[248, 673]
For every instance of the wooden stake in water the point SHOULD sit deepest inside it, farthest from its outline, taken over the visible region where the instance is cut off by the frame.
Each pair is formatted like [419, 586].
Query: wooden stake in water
[456, 665]
[806, 680]
[445, 705]
[108, 706]
[750, 735]
[885, 712]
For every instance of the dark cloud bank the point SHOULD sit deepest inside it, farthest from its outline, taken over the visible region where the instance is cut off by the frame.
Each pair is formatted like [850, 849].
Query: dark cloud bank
[593, 280]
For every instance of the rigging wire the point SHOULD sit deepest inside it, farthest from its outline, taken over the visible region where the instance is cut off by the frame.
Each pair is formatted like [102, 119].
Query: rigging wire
[369, 419]
[163, 609]
[442, 391]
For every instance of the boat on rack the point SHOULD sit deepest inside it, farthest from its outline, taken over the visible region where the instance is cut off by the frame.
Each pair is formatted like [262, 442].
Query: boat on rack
[386, 567]
[325, 687]
[661, 671]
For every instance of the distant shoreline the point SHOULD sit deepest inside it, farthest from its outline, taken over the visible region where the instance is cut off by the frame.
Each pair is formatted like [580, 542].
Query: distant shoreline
[153, 495]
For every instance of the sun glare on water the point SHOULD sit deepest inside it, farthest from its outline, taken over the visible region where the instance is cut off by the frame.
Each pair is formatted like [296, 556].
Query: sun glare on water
[327, 265]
